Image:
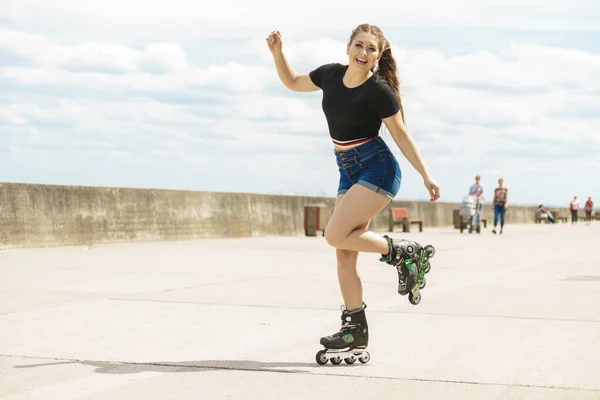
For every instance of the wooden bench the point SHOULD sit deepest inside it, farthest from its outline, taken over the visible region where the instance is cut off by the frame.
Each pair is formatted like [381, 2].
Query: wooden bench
[559, 217]
[539, 218]
[399, 215]
[556, 214]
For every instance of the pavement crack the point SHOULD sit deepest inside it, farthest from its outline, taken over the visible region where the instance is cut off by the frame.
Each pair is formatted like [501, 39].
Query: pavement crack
[291, 307]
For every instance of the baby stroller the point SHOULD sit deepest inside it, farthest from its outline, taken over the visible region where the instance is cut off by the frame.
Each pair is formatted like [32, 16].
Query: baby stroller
[468, 212]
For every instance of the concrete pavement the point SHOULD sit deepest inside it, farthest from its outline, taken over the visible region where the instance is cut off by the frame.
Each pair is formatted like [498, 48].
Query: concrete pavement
[512, 316]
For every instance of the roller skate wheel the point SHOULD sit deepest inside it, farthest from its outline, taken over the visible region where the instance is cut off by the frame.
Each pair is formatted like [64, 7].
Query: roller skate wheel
[430, 249]
[320, 358]
[427, 267]
[414, 299]
[423, 283]
[336, 360]
[365, 357]
[350, 360]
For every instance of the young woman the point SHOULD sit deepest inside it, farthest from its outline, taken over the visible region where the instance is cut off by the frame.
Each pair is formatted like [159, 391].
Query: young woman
[500, 204]
[357, 97]
[589, 206]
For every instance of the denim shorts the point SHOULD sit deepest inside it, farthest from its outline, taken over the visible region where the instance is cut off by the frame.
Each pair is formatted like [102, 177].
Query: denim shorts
[371, 165]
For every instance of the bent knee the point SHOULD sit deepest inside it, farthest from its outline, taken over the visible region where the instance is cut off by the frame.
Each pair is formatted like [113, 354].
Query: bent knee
[334, 237]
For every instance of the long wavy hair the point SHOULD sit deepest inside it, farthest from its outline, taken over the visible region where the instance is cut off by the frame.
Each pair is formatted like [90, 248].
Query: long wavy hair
[386, 68]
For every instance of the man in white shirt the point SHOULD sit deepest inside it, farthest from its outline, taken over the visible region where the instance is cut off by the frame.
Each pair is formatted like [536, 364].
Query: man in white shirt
[477, 191]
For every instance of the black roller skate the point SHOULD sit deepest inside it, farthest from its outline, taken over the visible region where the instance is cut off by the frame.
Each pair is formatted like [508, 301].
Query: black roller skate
[412, 263]
[350, 343]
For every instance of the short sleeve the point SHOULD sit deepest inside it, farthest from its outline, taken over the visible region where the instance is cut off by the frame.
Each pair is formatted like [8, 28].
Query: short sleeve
[320, 74]
[386, 102]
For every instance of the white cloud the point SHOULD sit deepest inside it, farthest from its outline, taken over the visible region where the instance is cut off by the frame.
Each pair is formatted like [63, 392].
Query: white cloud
[519, 66]
[93, 56]
[156, 66]
[525, 108]
[167, 57]
[236, 77]
[259, 106]
[181, 19]
[60, 112]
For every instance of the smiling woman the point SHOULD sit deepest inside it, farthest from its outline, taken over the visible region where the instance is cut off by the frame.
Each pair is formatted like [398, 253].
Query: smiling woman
[357, 97]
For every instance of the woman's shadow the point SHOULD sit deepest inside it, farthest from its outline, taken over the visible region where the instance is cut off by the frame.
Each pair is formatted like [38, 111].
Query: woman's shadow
[106, 367]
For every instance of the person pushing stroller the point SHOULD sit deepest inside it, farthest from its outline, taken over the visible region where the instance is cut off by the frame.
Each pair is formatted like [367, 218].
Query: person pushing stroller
[476, 190]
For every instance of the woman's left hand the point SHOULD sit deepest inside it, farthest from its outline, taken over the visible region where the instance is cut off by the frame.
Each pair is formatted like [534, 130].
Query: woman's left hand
[433, 188]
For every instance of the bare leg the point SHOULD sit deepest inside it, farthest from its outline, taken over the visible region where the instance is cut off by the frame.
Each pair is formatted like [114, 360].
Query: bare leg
[347, 232]
[347, 228]
[348, 275]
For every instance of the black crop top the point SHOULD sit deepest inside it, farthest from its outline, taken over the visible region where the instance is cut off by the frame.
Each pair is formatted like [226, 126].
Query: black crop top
[353, 114]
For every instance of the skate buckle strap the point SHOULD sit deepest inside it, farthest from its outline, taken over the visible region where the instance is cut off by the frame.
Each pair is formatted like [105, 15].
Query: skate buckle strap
[390, 254]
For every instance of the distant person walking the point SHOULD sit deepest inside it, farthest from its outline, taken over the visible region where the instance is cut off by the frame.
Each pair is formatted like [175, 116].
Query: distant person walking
[574, 208]
[589, 206]
[500, 204]
[476, 190]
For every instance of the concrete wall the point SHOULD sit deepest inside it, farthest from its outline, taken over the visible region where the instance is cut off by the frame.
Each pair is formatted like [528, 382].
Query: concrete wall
[33, 215]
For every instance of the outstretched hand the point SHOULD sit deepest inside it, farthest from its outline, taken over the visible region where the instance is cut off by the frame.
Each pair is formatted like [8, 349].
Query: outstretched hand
[433, 188]
[275, 42]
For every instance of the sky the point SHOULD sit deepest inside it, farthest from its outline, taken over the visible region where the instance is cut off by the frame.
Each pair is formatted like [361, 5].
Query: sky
[185, 95]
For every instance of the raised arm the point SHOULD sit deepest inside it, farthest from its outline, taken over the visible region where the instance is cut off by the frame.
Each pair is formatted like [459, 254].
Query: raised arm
[288, 76]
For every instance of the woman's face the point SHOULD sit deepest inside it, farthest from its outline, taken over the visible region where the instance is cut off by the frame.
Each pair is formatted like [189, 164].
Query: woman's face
[363, 52]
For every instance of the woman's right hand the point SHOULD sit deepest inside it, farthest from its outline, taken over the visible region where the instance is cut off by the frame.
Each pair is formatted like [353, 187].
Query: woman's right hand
[275, 42]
